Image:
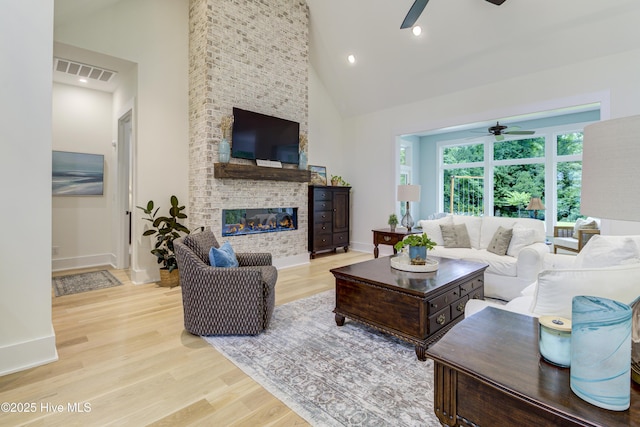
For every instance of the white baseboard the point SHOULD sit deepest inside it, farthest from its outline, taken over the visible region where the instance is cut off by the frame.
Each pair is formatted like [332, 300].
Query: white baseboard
[28, 354]
[81, 262]
[291, 261]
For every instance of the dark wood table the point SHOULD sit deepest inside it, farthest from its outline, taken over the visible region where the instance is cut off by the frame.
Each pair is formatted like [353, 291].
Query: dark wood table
[415, 307]
[384, 236]
[488, 372]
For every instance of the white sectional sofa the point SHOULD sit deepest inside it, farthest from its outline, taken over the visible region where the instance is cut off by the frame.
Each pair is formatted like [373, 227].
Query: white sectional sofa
[508, 274]
[607, 267]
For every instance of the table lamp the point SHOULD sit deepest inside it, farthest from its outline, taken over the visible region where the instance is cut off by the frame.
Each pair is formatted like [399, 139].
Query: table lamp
[535, 205]
[408, 193]
[610, 158]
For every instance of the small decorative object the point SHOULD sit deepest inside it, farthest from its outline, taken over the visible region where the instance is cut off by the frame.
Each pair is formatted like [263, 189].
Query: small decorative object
[224, 149]
[393, 221]
[318, 175]
[337, 181]
[600, 349]
[408, 193]
[418, 245]
[555, 340]
[166, 229]
[401, 261]
[302, 162]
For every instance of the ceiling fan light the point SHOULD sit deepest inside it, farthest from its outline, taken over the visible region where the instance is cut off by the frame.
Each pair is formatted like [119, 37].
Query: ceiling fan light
[352, 59]
[416, 30]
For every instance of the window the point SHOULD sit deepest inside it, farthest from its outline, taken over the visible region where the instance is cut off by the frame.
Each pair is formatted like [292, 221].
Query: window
[569, 176]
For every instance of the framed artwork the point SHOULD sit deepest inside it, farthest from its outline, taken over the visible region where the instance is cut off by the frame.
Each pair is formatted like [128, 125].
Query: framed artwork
[77, 174]
[318, 175]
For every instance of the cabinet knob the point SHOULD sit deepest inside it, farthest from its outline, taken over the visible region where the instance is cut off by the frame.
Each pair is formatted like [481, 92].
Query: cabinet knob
[460, 307]
[387, 238]
[441, 319]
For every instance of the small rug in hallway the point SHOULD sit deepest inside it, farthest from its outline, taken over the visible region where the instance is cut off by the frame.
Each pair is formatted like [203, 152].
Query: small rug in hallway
[335, 376]
[83, 282]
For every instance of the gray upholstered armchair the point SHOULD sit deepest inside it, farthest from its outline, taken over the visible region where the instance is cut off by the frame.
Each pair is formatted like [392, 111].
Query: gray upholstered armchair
[224, 301]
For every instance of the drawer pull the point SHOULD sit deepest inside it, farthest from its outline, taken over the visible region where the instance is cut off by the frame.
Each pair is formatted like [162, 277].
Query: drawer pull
[463, 289]
[386, 238]
[476, 296]
[460, 307]
[324, 228]
[435, 306]
[441, 319]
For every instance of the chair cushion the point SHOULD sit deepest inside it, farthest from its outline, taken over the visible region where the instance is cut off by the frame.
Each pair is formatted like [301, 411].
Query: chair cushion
[223, 256]
[201, 244]
[584, 224]
[500, 242]
[455, 236]
[566, 242]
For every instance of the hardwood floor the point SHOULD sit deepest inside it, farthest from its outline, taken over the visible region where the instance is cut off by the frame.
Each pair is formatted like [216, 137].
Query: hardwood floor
[125, 359]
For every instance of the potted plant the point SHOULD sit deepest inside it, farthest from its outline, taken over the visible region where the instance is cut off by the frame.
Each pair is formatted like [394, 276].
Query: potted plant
[418, 246]
[166, 229]
[337, 181]
[393, 221]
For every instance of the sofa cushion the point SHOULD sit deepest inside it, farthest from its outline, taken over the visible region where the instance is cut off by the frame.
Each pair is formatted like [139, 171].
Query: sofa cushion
[432, 228]
[500, 242]
[607, 251]
[201, 243]
[455, 236]
[490, 225]
[474, 225]
[498, 264]
[556, 288]
[520, 238]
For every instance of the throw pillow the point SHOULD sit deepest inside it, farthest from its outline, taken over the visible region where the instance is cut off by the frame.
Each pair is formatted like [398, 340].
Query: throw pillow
[223, 256]
[500, 242]
[584, 224]
[455, 236]
[521, 237]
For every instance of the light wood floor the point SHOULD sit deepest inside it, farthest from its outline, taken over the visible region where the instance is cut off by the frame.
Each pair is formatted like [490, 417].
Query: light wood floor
[125, 353]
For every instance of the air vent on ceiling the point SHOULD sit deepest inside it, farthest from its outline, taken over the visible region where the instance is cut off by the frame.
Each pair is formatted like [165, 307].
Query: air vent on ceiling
[83, 70]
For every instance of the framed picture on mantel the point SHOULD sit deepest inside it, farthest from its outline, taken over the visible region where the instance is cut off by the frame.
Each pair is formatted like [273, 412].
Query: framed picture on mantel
[318, 175]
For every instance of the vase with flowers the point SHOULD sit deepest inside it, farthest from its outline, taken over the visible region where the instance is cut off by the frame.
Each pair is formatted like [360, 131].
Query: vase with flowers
[224, 149]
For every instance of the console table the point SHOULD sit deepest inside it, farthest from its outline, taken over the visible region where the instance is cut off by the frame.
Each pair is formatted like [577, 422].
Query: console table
[384, 236]
[488, 372]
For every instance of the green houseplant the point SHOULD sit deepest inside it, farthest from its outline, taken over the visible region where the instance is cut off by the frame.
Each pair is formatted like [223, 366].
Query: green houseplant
[336, 180]
[393, 221]
[418, 245]
[165, 229]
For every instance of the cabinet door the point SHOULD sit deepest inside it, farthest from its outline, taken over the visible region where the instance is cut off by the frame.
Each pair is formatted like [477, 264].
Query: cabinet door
[341, 211]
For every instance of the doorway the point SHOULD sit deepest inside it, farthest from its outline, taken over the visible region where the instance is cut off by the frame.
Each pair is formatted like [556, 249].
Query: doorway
[125, 190]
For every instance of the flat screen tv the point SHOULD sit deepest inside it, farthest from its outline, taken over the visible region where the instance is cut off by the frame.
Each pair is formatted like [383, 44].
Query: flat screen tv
[258, 136]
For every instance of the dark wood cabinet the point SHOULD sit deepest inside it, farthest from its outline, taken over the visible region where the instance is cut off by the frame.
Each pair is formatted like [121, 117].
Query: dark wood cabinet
[328, 218]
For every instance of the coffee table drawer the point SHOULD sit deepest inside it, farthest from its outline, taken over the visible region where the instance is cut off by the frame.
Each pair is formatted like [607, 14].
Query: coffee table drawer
[439, 320]
[457, 308]
[442, 301]
[472, 285]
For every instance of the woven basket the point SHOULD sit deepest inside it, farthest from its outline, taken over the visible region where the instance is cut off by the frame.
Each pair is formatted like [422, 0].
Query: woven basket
[169, 280]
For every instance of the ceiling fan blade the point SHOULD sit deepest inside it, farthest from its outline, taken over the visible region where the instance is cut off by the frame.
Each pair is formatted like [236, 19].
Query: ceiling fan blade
[520, 132]
[414, 13]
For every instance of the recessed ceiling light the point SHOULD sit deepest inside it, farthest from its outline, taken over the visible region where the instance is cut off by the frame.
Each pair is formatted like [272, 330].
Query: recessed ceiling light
[83, 80]
[417, 30]
[351, 59]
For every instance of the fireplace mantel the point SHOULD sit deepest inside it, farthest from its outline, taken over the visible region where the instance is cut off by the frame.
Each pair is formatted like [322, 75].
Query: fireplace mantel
[238, 171]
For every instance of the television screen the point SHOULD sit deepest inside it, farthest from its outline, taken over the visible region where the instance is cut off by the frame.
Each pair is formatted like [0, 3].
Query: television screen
[258, 136]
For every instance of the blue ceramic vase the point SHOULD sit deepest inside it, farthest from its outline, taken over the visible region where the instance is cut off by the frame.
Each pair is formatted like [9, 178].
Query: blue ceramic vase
[418, 255]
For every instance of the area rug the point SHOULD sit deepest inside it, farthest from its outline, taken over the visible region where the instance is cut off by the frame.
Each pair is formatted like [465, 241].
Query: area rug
[83, 282]
[335, 376]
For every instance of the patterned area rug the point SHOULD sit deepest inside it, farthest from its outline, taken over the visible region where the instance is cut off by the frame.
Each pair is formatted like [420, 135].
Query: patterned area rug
[83, 282]
[335, 376]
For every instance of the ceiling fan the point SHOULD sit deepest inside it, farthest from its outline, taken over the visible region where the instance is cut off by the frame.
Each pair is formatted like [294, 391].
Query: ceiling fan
[499, 131]
[419, 5]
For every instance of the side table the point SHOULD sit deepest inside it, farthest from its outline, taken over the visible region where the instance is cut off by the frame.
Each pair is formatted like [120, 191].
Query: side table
[384, 236]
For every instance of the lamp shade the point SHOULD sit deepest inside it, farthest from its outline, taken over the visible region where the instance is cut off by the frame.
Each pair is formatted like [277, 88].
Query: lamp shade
[408, 193]
[535, 204]
[611, 169]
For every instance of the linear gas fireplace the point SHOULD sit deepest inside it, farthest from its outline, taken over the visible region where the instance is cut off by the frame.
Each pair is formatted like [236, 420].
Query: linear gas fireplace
[237, 222]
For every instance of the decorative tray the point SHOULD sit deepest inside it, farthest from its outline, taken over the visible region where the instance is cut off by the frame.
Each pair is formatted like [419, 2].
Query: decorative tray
[404, 263]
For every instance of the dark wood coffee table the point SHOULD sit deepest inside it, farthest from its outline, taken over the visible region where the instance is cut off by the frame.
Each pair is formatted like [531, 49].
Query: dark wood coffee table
[415, 307]
[488, 372]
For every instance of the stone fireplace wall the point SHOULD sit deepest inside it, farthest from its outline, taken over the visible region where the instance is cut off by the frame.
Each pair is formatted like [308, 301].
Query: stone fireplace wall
[253, 55]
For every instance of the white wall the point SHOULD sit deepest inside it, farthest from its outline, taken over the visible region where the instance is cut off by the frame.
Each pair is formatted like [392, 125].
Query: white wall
[82, 122]
[153, 34]
[27, 337]
[372, 136]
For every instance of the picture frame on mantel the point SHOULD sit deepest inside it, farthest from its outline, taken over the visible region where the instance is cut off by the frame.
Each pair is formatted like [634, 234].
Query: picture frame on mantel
[318, 175]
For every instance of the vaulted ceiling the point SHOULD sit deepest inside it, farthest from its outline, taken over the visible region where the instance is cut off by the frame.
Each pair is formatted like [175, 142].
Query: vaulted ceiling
[465, 43]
